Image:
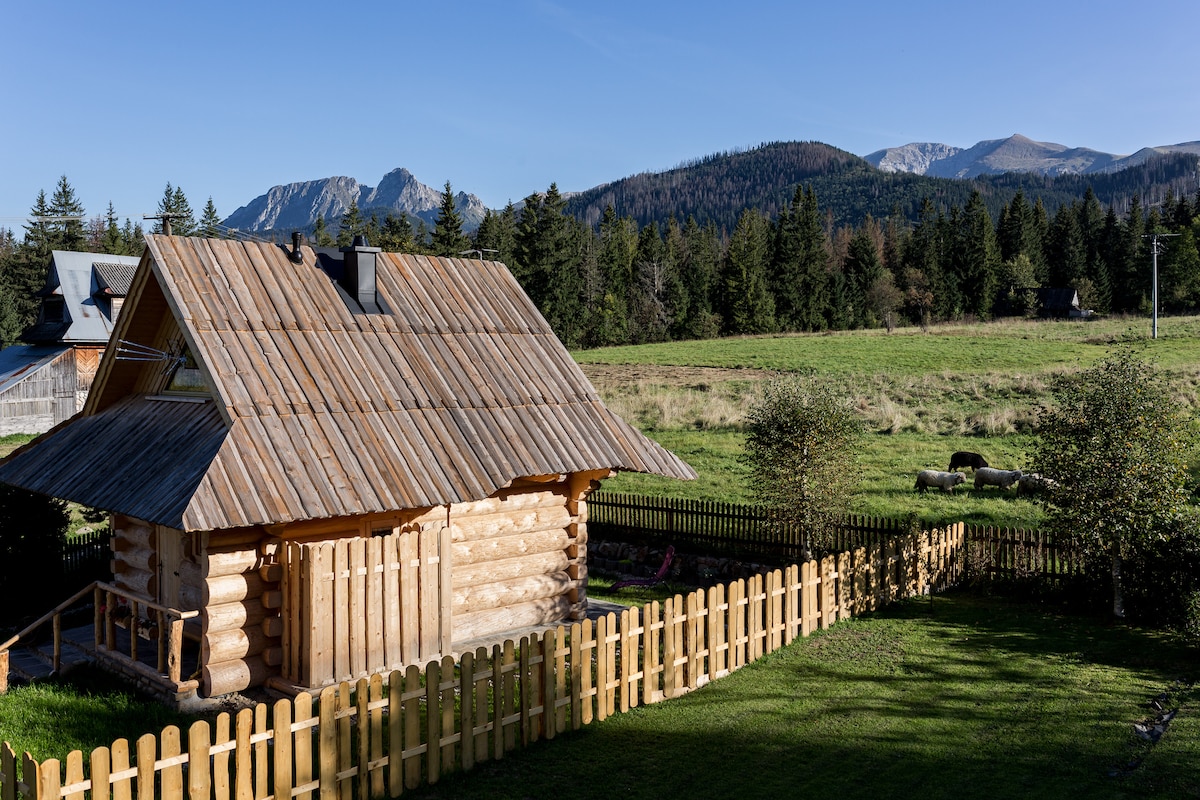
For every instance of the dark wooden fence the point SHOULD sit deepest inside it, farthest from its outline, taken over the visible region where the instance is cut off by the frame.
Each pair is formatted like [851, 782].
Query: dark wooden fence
[728, 529]
[1017, 554]
[741, 530]
[86, 556]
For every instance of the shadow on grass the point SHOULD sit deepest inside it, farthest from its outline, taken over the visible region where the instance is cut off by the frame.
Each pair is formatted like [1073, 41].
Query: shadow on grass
[980, 697]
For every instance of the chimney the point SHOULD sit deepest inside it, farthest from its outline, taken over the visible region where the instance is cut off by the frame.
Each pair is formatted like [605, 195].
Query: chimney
[358, 273]
[295, 255]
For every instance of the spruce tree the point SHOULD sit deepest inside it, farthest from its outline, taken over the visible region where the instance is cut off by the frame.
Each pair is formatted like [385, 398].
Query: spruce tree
[616, 249]
[699, 275]
[210, 221]
[396, 234]
[112, 241]
[750, 305]
[448, 238]
[351, 225]
[321, 235]
[67, 231]
[975, 257]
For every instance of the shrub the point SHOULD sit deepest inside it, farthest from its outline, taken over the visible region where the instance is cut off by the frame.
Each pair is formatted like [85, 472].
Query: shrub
[33, 529]
[801, 448]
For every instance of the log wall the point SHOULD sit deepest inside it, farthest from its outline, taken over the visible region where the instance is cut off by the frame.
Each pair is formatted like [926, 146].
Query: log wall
[237, 584]
[135, 560]
[512, 566]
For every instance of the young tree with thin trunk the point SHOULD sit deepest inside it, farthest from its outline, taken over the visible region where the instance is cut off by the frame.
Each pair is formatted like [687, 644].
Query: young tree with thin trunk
[1117, 444]
[801, 442]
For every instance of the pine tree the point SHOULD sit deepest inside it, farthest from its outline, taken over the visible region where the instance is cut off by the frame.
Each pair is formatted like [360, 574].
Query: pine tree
[210, 221]
[321, 234]
[975, 257]
[113, 243]
[174, 209]
[67, 231]
[699, 275]
[396, 234]
[351, 225]
[448, 238]
[496, 236]
[750, 306]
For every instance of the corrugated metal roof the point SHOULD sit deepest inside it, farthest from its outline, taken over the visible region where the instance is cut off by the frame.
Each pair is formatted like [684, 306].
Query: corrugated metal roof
[457, 392]
[114, 277]
[20, 361]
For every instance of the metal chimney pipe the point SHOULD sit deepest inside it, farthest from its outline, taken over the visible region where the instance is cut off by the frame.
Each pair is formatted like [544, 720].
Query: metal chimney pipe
[295, 256]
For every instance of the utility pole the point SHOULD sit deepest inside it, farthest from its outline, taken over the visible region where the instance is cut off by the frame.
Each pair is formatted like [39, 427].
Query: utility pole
[164, 218]
[1154, 247]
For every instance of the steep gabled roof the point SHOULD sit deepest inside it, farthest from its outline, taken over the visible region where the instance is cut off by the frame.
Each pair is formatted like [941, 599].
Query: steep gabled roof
[319, 410]
[80, 280]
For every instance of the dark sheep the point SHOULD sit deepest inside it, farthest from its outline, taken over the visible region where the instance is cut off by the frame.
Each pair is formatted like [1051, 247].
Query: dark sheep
[964, 458]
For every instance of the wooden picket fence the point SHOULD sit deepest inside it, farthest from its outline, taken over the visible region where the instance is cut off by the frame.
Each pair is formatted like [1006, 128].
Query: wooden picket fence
[389, 733]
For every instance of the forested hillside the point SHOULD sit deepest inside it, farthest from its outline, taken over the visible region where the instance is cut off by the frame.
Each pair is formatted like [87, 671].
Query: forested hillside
[842, 246]
[718, 188]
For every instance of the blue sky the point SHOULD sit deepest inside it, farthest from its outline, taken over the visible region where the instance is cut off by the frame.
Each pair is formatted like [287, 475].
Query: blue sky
[226, 100]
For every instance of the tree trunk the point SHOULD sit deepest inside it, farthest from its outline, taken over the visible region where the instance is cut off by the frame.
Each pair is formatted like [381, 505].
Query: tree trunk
[1118, 598]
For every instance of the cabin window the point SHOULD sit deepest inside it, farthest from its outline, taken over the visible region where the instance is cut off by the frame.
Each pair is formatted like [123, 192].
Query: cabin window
[186, 375]
[53, 309]
[117, 302]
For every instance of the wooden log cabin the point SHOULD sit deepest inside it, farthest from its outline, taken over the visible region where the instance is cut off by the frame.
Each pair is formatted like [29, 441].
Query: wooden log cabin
[345, 461]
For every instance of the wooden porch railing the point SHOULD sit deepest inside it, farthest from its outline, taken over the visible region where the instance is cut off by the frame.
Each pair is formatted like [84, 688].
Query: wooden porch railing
[114, 607]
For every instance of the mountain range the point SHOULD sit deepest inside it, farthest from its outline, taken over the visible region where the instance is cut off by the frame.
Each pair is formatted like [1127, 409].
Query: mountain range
[297, 205]
[1014, 154]
[761, 177]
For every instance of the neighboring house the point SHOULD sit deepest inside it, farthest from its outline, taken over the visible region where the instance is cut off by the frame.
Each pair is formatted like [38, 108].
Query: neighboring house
[46, 381]
[345, 461]
[1062, 302]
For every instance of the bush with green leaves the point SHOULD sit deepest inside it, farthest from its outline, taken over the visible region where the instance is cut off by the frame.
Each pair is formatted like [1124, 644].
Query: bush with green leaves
[801, 449]
[1117, 445]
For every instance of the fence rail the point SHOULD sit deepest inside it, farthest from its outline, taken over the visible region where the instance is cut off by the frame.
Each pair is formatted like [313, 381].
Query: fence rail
[993, 553]
[387, 733]
[1017, 554]
[717, 527]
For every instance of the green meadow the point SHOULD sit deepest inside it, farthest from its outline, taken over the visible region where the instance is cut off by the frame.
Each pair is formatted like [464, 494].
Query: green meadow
[921, 396]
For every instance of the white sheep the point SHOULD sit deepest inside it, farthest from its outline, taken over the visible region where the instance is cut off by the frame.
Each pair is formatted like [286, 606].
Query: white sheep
[946, 481]
[1032, 483]
[989, 476]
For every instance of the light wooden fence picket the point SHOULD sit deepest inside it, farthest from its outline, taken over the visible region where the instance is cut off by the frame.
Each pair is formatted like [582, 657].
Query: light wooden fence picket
[385, 734]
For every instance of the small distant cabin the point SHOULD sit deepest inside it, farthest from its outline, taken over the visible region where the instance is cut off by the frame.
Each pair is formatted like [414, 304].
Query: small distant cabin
[329, 463]
[1061, 303]
[46, 381]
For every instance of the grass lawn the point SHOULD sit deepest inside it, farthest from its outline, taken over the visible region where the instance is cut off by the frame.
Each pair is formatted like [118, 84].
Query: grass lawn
[976, 698]
[87, 709]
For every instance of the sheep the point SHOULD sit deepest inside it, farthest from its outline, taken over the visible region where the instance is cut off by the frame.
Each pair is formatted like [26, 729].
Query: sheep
[1004, 478]
[1032, 483]
[965, 458]
[946, 481]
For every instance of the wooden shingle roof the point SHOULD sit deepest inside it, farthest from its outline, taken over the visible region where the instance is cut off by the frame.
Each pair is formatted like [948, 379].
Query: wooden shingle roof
[320, 410]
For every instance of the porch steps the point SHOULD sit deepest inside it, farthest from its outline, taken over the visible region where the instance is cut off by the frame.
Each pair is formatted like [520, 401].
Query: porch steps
[36, 661]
